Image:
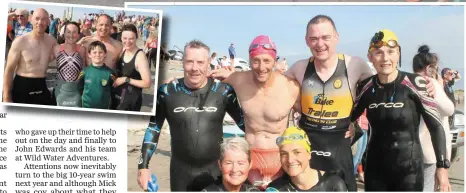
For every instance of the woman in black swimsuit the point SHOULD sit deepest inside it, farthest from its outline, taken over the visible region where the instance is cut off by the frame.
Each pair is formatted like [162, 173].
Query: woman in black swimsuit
[295, 154]
[133, 72]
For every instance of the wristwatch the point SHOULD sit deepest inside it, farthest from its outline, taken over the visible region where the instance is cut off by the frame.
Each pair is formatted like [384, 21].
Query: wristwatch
[127, 80]
[443, 164]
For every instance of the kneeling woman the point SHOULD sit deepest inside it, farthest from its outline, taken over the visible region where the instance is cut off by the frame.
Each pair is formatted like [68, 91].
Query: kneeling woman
[235, 163]
[295, 154]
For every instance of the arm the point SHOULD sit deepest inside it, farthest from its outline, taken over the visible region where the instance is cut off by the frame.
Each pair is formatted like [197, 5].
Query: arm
[234, 108]
[290, 72]
[142, 66]
[444, 104]
[361, 101]
[152, 134]
[14, 57]
[431, 117]
[363, 68]
[82, 52]
[81, 81]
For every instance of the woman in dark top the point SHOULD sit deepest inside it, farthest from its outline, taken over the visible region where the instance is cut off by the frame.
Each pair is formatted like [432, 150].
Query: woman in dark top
[133, 72]
[235, 163]
[295, 154]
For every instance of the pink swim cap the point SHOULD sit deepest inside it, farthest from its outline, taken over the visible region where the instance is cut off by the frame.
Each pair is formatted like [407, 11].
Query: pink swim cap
[262, 45]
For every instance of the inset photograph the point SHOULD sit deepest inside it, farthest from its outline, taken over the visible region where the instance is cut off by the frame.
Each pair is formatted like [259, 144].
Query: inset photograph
[77, 57]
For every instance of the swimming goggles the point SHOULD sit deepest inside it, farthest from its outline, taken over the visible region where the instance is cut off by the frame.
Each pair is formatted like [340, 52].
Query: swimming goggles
[265, 46]
[294, 137]
[377, 41]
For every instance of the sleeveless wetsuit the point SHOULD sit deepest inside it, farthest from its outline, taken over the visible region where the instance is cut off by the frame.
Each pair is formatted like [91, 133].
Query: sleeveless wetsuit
[329, 182]
[218, 186]
[326, 108]
[130, 97]
[98, 84]
[196, 133]
[69, 66]
[394, 159]
[67, 92]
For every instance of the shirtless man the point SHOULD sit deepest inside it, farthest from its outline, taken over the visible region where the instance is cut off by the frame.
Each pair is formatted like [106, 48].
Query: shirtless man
[28, 60]
[114, 47]
[266, 97]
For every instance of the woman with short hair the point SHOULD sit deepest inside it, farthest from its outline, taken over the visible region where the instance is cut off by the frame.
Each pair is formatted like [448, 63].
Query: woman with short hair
[235, 163]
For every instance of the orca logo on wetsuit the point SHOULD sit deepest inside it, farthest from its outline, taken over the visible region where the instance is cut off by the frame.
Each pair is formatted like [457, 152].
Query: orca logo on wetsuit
[322, 153]
[386, 105]
[196, 109]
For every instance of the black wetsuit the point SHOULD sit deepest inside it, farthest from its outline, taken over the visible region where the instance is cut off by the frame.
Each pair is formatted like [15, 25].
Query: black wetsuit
[394, 159]
[129, 97]
[218, 186]
[329, 182]
[326, 110]
[196, 133]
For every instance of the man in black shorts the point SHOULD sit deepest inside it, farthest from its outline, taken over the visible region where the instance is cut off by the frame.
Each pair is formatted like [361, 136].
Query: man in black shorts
[194, 107]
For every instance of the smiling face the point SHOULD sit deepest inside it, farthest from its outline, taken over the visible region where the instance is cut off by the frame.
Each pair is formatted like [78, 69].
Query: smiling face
[71, 34]
[322, 40]
[385, 59]
[40, 21]
[196, 63]
[294, 158]
[129, 39]
[262, 67]
[97, 55]
[235, 167]
[104, 26]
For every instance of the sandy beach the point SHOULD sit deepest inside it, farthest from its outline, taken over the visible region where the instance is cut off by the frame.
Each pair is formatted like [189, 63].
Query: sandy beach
[160, 162]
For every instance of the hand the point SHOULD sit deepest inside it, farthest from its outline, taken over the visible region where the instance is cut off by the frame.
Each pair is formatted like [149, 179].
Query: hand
[350, 132]
[143, 178]
[119, 81]
[222, 73]
[171, 79]
[441, 180]
[430, 87]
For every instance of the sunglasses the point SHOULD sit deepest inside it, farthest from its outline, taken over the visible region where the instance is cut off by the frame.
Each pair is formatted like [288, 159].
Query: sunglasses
[294, 137]
[376, 41]
[265, 46]
[20, 15]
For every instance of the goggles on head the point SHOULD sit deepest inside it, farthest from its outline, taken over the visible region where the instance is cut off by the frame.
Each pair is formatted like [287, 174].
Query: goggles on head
[265, 46]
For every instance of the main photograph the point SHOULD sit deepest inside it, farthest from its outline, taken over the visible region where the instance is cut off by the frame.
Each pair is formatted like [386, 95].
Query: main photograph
[79, 57]
[284, 98]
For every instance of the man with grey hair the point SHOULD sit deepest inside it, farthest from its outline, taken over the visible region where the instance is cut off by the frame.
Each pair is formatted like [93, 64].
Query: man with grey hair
[21, 24]
[194, 107]
[235, 163]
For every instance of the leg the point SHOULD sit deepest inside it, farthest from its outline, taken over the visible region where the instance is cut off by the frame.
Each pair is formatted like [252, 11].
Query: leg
[374, 180]
[429, 177]
[180, 175]
[361, 148]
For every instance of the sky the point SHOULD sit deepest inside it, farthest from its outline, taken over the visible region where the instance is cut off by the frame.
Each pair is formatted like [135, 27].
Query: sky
[78, 12]
[440, 27]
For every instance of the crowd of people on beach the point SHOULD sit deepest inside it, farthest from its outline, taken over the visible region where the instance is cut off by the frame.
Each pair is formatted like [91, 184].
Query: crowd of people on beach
[98, 62]
[338, 100]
